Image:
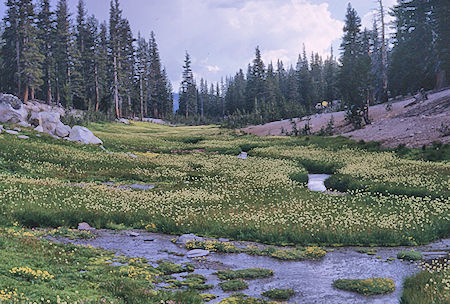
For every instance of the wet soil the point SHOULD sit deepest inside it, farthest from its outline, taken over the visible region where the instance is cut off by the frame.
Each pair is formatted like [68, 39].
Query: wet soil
[311, 280]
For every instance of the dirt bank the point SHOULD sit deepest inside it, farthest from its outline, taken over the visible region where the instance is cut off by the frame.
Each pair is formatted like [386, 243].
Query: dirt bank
[413, 125]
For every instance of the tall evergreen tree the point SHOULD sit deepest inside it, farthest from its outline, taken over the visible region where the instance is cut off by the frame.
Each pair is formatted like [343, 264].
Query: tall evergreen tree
[188, 91]
[46, 30]
[255, 83]
[354, 70]
[63, 45]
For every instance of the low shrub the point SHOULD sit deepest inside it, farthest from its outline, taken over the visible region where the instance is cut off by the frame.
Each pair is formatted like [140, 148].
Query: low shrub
[251, 273]
[366, 287]
[410, 255]
[233, 285]
[279, 294]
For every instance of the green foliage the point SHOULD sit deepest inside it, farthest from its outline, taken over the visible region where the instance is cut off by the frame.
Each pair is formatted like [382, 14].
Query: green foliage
[430, 286]
[42, 176]
[366, 287]
[80, 274]
[251, 273]
[233, 285]
[410, 255]
[279, 294]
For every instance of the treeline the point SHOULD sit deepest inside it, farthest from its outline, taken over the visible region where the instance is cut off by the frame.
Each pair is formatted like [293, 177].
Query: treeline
[368, 71]
[81, 63]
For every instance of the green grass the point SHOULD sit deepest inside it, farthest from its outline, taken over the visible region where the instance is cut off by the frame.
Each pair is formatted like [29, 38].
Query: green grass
[38, 270]
[366, 287]
[410, 255]
[250, 273]
[201, 187]
[279, 294]
[430, 286]
[233, 285]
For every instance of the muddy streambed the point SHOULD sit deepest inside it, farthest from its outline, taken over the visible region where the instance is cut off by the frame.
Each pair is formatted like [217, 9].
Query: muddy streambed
[311, 280]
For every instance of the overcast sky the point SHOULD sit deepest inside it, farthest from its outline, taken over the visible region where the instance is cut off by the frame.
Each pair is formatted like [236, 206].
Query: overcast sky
[221, 35]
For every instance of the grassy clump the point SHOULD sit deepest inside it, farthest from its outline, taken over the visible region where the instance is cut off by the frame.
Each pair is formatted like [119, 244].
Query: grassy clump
[167, 267]
[298, 253]
[410, 255]
[233, 285]
[368, 251]
[239, 298]
[250, 273]
[366, 287]
[430, 286]
[279, 294]
[33, 269]
[194, 281]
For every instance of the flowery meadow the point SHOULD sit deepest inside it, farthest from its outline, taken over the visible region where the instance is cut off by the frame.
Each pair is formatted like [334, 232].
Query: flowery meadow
[380, 197]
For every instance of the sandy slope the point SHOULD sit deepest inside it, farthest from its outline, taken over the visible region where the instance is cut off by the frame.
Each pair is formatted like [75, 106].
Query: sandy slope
[413, 125]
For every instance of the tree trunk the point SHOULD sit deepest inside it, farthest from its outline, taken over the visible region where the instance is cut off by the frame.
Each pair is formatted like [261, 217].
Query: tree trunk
[116, 89]
[19, 88]
[25, 94]
[384, 97]
[32, 93]
[440, 79]
[141, 96]
[97, 94]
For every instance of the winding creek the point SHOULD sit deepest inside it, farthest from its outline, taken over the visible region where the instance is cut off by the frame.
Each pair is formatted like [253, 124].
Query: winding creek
[311, 280]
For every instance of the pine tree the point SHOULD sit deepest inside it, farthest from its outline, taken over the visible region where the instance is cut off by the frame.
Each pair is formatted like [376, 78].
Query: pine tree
[413, 63]
[188, 98]
[31, 59]
[114, 45]
[255, 83]
[11, 50]
[63, 46]
[46, 25]
[354, 71]
[142, 61]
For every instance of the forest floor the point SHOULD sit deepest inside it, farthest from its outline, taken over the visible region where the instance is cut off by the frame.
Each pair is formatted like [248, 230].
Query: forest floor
[413, 125]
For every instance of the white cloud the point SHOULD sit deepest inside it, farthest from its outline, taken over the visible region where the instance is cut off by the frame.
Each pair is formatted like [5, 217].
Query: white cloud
[213, 68]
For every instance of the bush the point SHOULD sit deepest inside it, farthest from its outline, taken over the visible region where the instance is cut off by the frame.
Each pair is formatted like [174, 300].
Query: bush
[410, 255]
[366, 287]
[279, 294]
[251, 273]
[233, 285]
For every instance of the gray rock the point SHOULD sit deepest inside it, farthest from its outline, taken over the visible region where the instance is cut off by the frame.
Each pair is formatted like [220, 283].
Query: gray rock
[103, 148]
[132, 155]
[24, 124]
[243, 155]
[23, 137]
[39, 129]
[223, 240]
[85, 226]
[12, 109]
[38, 135]
[196, 253]
[84, 135]
[62, 130]
[1, 128]
[133, 234]
[12, 132]
[188, 237]
[124, 121]
[17, 129]
[55, 137]
[48, 121]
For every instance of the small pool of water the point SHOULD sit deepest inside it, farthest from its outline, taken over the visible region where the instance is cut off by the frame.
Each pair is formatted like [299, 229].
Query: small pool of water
[316, 182]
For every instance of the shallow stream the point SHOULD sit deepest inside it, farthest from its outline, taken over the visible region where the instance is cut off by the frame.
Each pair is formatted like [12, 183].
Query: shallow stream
[311, 280]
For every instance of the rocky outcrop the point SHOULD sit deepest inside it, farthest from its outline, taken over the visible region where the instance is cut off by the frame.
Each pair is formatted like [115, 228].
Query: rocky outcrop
[84, 135]
[46, 119]
[11, 109]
